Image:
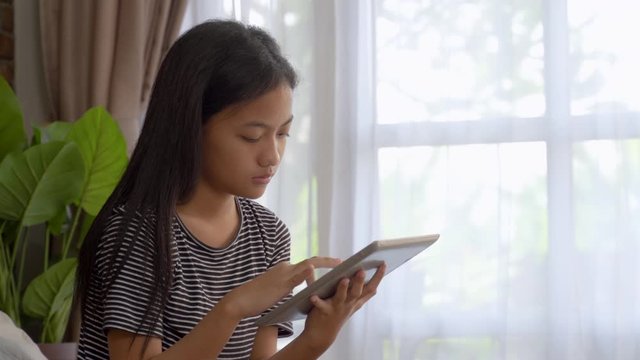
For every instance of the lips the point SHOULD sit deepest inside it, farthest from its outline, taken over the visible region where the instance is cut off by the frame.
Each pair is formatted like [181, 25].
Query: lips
[262, 180]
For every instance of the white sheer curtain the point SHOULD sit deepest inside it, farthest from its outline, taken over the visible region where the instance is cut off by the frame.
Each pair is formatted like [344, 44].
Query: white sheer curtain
[512, 128]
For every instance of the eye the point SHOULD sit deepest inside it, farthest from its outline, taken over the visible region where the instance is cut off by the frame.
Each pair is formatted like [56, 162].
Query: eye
[249, 139]
[283, 134]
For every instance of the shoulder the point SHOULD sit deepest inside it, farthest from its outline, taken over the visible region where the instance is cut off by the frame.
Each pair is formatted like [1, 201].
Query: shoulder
[125, 227]
[257, 210]
[128, 220]
[256, 214]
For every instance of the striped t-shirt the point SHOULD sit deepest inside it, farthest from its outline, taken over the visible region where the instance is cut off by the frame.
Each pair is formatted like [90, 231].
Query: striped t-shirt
[202, 275]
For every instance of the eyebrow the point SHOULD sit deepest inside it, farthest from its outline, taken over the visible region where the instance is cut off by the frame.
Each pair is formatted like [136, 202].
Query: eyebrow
[263, 125]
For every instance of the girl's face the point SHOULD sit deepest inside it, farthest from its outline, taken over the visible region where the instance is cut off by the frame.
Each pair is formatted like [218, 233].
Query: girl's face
[244, 143]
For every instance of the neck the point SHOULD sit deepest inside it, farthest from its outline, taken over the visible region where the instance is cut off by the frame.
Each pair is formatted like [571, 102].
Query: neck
[205, 203]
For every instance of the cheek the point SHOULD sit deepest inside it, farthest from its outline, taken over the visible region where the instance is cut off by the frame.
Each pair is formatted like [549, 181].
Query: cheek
[281, 147]
[217, 161]
[233, 158]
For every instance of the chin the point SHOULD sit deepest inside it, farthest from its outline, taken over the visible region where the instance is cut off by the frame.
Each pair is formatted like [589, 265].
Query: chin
[251, 194]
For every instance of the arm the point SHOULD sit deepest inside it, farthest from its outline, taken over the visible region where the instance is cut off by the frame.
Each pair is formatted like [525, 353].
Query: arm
[265, 346]
[207, 339]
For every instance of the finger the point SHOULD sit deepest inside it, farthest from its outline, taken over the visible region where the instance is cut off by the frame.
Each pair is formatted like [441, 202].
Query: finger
[323, 305]
[312, 277]
[365, 297]
[363, 300]
[372, 285]
[322, 262]
[341, 292]
[313, 263]
[371, 288]
[300, 273]
[357, 284]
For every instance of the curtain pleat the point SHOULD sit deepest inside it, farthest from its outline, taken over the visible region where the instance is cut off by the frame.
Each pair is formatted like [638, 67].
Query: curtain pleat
[105, 53]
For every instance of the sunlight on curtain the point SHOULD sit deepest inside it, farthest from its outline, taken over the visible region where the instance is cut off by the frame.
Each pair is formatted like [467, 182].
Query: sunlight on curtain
[504, 282]
[511, 128]
[605, 64]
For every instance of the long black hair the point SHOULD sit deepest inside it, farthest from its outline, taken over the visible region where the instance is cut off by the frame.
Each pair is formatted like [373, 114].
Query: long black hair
[214, 65]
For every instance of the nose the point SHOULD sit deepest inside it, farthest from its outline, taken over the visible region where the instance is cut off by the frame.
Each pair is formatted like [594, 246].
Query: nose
[270, 154]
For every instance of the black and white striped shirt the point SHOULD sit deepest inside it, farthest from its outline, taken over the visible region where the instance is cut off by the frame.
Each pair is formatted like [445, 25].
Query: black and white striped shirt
[202, 275]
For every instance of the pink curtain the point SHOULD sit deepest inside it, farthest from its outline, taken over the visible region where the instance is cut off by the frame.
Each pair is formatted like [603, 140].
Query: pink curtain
[105, 53]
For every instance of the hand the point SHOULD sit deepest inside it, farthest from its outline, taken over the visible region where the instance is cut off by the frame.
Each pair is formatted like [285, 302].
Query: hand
[328, 316]
[259, 294]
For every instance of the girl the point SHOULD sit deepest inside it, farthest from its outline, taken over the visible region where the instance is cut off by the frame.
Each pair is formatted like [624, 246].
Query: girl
[180, 262]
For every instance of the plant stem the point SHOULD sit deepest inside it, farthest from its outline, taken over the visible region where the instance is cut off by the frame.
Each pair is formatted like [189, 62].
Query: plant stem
[14, 289]
[16, 285]
[69, 239]
[8, 300]
[16, 243]
[47, 244]
[45, 326]
[15, 304]
[22, 256]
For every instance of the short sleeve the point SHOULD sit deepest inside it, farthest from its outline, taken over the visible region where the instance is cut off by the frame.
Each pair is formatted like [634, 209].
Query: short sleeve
[127, 291]
[282, 252]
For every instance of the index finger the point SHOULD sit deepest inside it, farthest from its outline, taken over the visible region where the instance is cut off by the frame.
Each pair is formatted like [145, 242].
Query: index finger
[377, 277]
[317, 262]
[321, 262]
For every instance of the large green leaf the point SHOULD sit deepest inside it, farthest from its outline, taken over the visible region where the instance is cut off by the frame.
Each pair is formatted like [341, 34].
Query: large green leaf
[58, 223]
[36, 184]
[36, 137]
[104, 152]
[47, 293]
[55, 326]
[87, 220]
[56, 131]
[12, 135]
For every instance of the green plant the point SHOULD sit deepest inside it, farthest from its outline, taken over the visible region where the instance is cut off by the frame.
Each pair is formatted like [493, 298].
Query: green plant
[57, 182]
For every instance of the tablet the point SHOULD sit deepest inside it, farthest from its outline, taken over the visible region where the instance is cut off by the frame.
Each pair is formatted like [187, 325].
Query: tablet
[393, 252]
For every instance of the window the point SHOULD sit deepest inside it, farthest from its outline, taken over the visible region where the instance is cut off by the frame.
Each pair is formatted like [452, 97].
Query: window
[522, 149]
